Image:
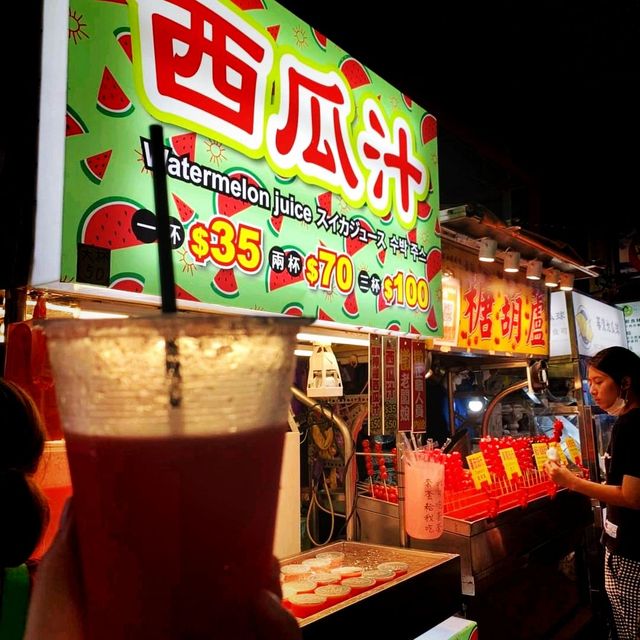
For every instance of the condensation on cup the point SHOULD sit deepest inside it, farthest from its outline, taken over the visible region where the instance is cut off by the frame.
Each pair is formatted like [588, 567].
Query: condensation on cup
[175, 429]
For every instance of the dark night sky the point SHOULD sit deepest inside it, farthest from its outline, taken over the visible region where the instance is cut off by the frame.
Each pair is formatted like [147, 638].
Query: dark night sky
[536, 100]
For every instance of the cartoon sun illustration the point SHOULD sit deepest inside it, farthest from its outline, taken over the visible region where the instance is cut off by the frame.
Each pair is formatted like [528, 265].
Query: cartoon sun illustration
[329, 295]
[216, 151]
[143, 168]
[257, 307]
[77, 26]
[343, 207]
[394, 102]
[187, 266]
[301, 37]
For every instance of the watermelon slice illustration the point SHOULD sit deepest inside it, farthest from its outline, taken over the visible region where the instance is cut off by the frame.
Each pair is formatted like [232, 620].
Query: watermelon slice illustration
[321, 40]
[424, 210]
[412, 236]
[123, 36]
[274, 31]
[227, 205]
[185, 212]
[275, 280]
[183, 294]
[275, 225]
[412, 329]
[388, 219]
[293, 309]
[107, 223]
[381, 303]
[393, 325]
[75, 124]
[323, 315]
[350, 306]
[437, 228]
[127, 282]
[324, 201]
[112, 100]
[94, 167]
[381, 256]
[284, 179]
[428, 128]
[224, 283]
[184, 144]
[408, 102]
[245, 5]
[354, 72]
[353, 245]
[432, 321]
[434, 263]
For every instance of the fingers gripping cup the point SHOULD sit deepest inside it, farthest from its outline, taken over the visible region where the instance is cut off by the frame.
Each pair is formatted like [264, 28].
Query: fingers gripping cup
[174, 428]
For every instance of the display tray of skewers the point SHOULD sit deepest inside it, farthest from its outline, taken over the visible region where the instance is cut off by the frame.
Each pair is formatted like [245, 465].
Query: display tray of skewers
[321, 581]
[506, 473]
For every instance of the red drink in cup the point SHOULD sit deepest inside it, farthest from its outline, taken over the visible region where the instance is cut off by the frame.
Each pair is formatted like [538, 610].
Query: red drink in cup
[175, 475]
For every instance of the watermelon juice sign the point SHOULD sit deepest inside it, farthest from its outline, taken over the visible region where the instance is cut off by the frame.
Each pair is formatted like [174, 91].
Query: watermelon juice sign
[299, 181]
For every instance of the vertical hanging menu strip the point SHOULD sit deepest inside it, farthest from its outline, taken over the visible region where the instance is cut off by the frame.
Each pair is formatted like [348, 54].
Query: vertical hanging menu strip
[375, 385]
[404, 385]
[418, 400]
[390, 356]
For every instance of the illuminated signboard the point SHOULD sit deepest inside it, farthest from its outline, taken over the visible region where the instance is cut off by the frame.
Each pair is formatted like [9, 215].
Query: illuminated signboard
[631, 314]
[299, 182]
[498, 312]
[598, 325]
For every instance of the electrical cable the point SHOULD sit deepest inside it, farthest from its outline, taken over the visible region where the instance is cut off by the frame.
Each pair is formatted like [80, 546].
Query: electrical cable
[314, 500]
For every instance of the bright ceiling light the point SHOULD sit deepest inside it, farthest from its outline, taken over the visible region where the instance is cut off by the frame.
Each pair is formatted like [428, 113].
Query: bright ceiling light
[551, 278]
[534, 270]
[487, 251]
[332, 338]
[566, 281]
[512, 262]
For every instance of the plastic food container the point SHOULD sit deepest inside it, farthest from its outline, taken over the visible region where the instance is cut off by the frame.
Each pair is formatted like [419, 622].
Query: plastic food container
[358, 585]
[306, 604]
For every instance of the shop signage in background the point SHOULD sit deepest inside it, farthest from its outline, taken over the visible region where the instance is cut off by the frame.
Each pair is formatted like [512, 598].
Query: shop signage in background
[418, 399]
[375, 385]
[631, 315]
[498, 313]
[299, 181]
[559, 336]
[390, 386]
[598, 325]
[405, 380]
[450, 310]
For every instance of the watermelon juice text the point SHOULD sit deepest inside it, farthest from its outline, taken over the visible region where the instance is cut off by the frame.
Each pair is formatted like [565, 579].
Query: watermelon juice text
[176, 533]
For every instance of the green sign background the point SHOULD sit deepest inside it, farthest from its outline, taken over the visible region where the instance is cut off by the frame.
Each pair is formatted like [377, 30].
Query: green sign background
[106, 182]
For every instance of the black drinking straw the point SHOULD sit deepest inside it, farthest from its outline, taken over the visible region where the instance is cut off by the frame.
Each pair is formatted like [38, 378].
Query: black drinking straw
[167, 282]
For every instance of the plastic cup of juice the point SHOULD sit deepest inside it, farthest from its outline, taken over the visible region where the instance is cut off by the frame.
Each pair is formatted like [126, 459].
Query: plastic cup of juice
[174, 427]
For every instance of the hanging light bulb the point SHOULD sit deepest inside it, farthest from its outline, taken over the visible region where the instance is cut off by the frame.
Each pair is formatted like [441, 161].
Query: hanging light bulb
[512, 262]
[534, 270]
[566, 281]
[487, 251]
[551, 278]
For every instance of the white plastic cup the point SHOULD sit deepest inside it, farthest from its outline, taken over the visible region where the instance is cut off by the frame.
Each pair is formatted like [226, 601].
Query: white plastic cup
[423, 498]
[174, 428]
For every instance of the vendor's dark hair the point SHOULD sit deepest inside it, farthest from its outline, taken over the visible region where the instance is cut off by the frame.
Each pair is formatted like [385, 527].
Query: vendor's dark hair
[24, 511]
[618, 362]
